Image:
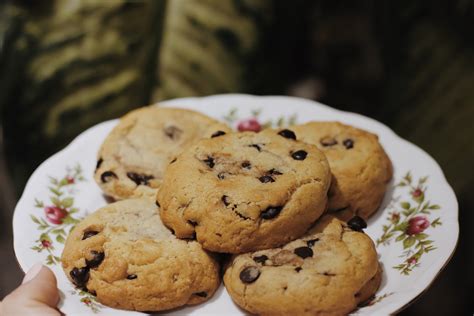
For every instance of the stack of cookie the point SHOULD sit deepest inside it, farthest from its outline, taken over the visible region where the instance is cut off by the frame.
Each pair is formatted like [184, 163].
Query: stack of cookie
[289, 205]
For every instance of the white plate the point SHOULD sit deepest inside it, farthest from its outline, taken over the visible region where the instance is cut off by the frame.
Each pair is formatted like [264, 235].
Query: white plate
[411, 258]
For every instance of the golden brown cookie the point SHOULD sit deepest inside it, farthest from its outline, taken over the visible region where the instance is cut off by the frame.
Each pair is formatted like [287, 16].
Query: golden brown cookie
[123, 254]
[133, 157]
[328, 271]
[245, 191]
[361, 169]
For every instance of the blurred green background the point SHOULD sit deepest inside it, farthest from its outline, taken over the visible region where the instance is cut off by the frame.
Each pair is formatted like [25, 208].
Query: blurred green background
[66, 65]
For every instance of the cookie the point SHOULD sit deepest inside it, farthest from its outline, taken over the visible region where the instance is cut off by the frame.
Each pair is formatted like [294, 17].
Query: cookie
[329, 271]
[133, 157]
[245, 191]
[361, 169]
[126, 257]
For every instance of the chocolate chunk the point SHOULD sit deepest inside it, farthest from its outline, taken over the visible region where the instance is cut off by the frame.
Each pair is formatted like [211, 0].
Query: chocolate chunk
[99, 162]
[173, 161]
[107, 176]
[221, 175]
[89, 233]
[225, 200]
[157, 203]
[357, 223]
[173, 132]
[256, 147]
[274, 172]
[80, 276]
[249, 274]
[217, 134]
[298, 269]
[303, 252]
[311, 242]
[131, 276]
[260, 259]
[97, 258]
[201, 294]
[266, 179]
[271, 212]
[348, 143]
[328, 141]
[246, 165]
[299, 155]
[209, 162]
[287, 134]
[192, 223]
[139, 178]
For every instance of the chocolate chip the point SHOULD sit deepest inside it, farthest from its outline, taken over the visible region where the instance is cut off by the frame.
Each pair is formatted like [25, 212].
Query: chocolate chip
[89, 234]
[97, 258]
[107, 176]
[80, 276]
[311, 242]
[287, 134]
[173, 132]
[201, 294]
[266, 179]
[260, 259]
[157, 203]
[348, 143]
[303, 252]
[298, 269]
[299, 155]
[217, 134]
[225, 200]
[173, 161]
[192, 223]
[256, 147]
[221, 175]
[271, 212]
[357, 223]
[246, 165]
[99, 162]
[131, 276]
[249, 274]
[328, 141]
[139, 178]
[209, 162]
[274, 172]
[93, 293]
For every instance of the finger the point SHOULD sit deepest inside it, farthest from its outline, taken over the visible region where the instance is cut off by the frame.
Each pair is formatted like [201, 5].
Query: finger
[37, 295]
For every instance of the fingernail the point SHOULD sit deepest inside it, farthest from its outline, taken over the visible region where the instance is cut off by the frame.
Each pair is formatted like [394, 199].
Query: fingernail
[34, 270]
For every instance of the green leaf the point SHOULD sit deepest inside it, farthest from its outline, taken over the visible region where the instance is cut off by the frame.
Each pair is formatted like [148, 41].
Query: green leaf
[401, 184]
[34, 219]
[56, 201]
[405, 205]
[44, 236]
[60, 239]
[63, 182]
[436, 222]
[408, 242]
[401, 227]
[55, 191]
[58, 231]
[421, 236]
[67, 202]
[407, 177]
[38, 203]
[400, 237]
[73, 210]
[423, 179]
[256, 112]
[434, 207]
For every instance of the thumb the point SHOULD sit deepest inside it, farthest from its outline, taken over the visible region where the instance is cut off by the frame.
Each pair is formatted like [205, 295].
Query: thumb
[37, 295]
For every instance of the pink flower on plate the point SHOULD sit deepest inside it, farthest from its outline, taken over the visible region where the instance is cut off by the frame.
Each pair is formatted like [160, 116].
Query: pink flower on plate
[417, 225]
[70, 180]
[55, 214]
[251, 125]
[417, 193]
[395, 217]
[45, 243]
[412, 260]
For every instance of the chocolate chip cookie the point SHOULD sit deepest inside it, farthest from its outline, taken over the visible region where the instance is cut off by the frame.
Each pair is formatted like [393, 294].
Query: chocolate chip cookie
[126, 257]
[245, 191]
[135, 154]
[361, 169]
[328, 271]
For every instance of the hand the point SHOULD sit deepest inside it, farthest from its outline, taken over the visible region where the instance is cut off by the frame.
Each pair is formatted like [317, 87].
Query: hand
[37, 295]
